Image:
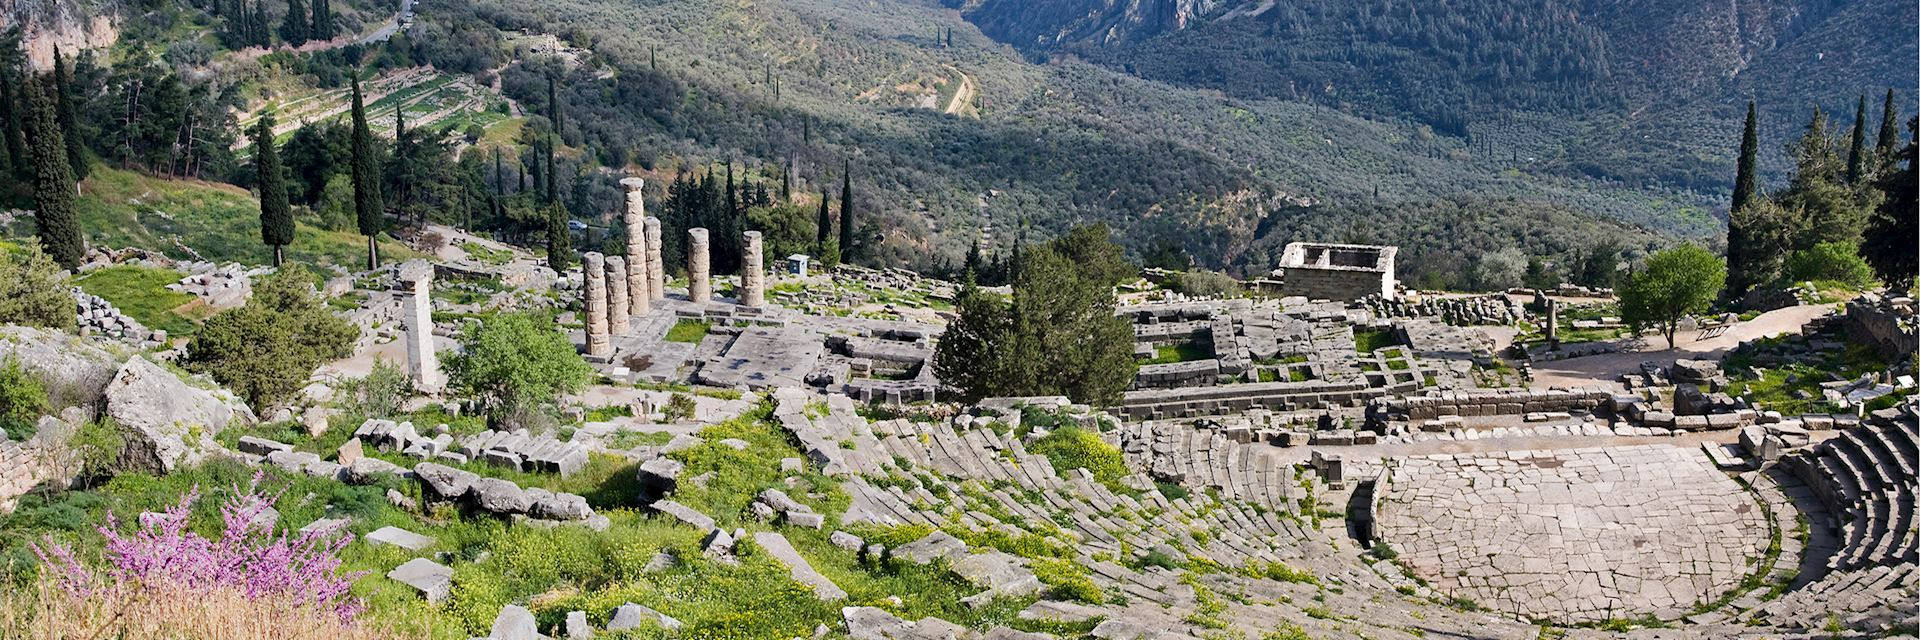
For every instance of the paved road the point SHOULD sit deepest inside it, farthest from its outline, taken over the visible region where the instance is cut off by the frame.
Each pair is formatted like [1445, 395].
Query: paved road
[391, 27]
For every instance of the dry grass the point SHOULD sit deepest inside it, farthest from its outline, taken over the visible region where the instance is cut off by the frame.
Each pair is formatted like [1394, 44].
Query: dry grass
[46, 612]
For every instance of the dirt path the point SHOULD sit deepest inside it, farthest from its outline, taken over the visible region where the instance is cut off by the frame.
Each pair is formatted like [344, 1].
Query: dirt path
[1607, 367]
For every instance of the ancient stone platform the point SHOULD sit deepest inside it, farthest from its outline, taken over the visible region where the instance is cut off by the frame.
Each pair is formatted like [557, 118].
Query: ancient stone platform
[1574, 536]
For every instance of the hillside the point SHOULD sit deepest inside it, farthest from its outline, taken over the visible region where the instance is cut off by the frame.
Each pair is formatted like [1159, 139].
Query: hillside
[1649, 91]
[1057, 143]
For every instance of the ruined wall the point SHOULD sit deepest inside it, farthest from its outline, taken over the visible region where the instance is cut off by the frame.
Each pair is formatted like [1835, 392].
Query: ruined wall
[1336, 284]
[1883, 323]
[1495, 403]
[44, 457]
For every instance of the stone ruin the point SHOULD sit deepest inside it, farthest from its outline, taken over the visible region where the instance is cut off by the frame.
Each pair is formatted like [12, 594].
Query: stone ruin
[1337, 271]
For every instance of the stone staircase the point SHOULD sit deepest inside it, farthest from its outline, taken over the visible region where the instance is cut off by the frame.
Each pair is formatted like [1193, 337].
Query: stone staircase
[1865, 477]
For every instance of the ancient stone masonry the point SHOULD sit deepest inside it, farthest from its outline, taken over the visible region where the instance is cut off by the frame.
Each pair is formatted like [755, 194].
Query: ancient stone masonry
[656, 265]
[517, 450]
[639, 282]
[594, 271]
[1477, 310]
[422, 364]
[617, 301]
[1337, 271]
[699, 273]
[1889, 324]
[96, 316]
[753, 277]
[1866, 480]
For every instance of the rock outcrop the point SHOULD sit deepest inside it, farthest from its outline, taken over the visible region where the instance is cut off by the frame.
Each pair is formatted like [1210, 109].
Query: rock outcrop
[167, 421]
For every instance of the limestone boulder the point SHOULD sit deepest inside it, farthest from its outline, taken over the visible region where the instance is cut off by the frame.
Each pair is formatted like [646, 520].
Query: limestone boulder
[444, 482]
[168, 422]
[75, 370]
[500, 496]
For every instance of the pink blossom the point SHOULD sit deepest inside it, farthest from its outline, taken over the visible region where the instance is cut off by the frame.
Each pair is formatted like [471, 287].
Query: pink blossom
[249, 556]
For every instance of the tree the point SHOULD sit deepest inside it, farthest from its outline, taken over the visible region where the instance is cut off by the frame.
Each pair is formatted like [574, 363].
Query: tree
[1883, 148]
[1857, 144]
[322, 28]
[1759, 236]
[513, 364]
[1600, 265]
[822, 225]
[1101, 261]
[1539, 274]
[53, 196]
[266, 349]
[1889, 245]
[1673, 283]
[33, 290]
[1501, 270]
[276, 214]
[297, 25]
[13, 116]
[313, 155]
[849, 249]
[1835, 261]
[1812, 153]
[559, 238]
[72, 143]
[366, 180]
[1746, 181]
[1059, 335]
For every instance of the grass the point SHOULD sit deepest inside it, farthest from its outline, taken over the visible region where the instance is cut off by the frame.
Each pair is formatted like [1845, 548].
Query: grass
[1182, 352]
[480, 253]
[688, 331]
[1371, 340]
[631, 439]
[213, 221]
[1070, 447]
[142, 294]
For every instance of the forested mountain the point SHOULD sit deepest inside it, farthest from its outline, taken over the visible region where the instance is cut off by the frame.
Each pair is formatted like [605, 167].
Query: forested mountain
[1643, 90]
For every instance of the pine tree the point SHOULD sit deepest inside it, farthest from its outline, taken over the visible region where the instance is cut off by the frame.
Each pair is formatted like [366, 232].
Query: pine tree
[276, 214]
[76, 149]
[559, 240]
[1745, 181]
[1889, 241]
[849, 250]
[295, 28]
[53, 196]
[1813, 153]
[1857, 145]
[367, 207]
[1883, 149]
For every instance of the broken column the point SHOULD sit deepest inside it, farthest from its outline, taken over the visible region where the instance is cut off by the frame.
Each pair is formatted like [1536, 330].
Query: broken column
[617, 301]
[1553, 324]
[753, 283]
[656, 266]
[639, 283]
[422, 365]
[699, 277]
[594, 277]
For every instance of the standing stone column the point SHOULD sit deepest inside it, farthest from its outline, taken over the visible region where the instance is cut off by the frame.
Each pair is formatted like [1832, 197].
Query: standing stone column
[422, 365]
[753, 282]
[639, 284]
[699, 275]
[656, 266]
[1553, 324]
[617, 301]
[593, 272]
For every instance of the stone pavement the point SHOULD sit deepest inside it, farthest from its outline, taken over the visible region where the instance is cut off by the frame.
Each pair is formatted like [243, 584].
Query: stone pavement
[1574, 536]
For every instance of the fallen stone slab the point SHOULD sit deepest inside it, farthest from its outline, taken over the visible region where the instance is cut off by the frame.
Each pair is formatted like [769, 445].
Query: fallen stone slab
[400, 538]
[783, 552]
[577, 627]
[999, 572]
[325, 525]
[515, 623]
[261, 446]
[444, 482]
[500, 496]
[933, 547]
[684, 513]
[1052, 611]
[432, 579]
[632, 616]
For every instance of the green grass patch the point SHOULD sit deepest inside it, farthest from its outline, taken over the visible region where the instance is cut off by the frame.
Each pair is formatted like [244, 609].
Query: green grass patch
[1072, 447]
[688, 331]
[1371, 340]
[1183, 352]
[142, 294]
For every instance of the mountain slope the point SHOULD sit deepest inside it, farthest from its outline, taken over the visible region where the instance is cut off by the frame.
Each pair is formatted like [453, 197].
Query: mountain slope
[1665, 73]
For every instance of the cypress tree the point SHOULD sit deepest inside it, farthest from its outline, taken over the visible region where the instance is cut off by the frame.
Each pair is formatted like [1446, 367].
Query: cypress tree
[559, 241]
[848, 251]
[69, 125]
[295, 28]
[553, 179]
[823, 226]
[11, 120]
[1857, 146]
[1745, 182]
[276, 215]
[402, 162]
[1883, 149]
[53, 197]
[553, 103]
[366, 179]
[499, 176]
[322, 28]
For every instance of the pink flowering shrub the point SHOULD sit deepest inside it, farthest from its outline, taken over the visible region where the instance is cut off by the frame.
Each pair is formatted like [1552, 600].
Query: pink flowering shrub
[248, 558]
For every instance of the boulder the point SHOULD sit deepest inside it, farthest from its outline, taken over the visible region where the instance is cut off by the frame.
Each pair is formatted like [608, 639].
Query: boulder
[168, 422]
[399, 537]
[1695, 371]
[515, 623]
[559, 506]
[631, 616]
[74, 370]
[577, 627]
[500, 496]
[433, 580]
[935, 546]
[444, 482]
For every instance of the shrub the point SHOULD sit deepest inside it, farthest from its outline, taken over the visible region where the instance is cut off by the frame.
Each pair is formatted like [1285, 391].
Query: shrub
[33, 290]
[1835, 261]
[515, 363]
[1205, 283]
[1066, 580]
[679, 408]
[248, 558]
[1071, 448]
[98, 445]
[378, 394]
[22, 401]
[265, 350]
